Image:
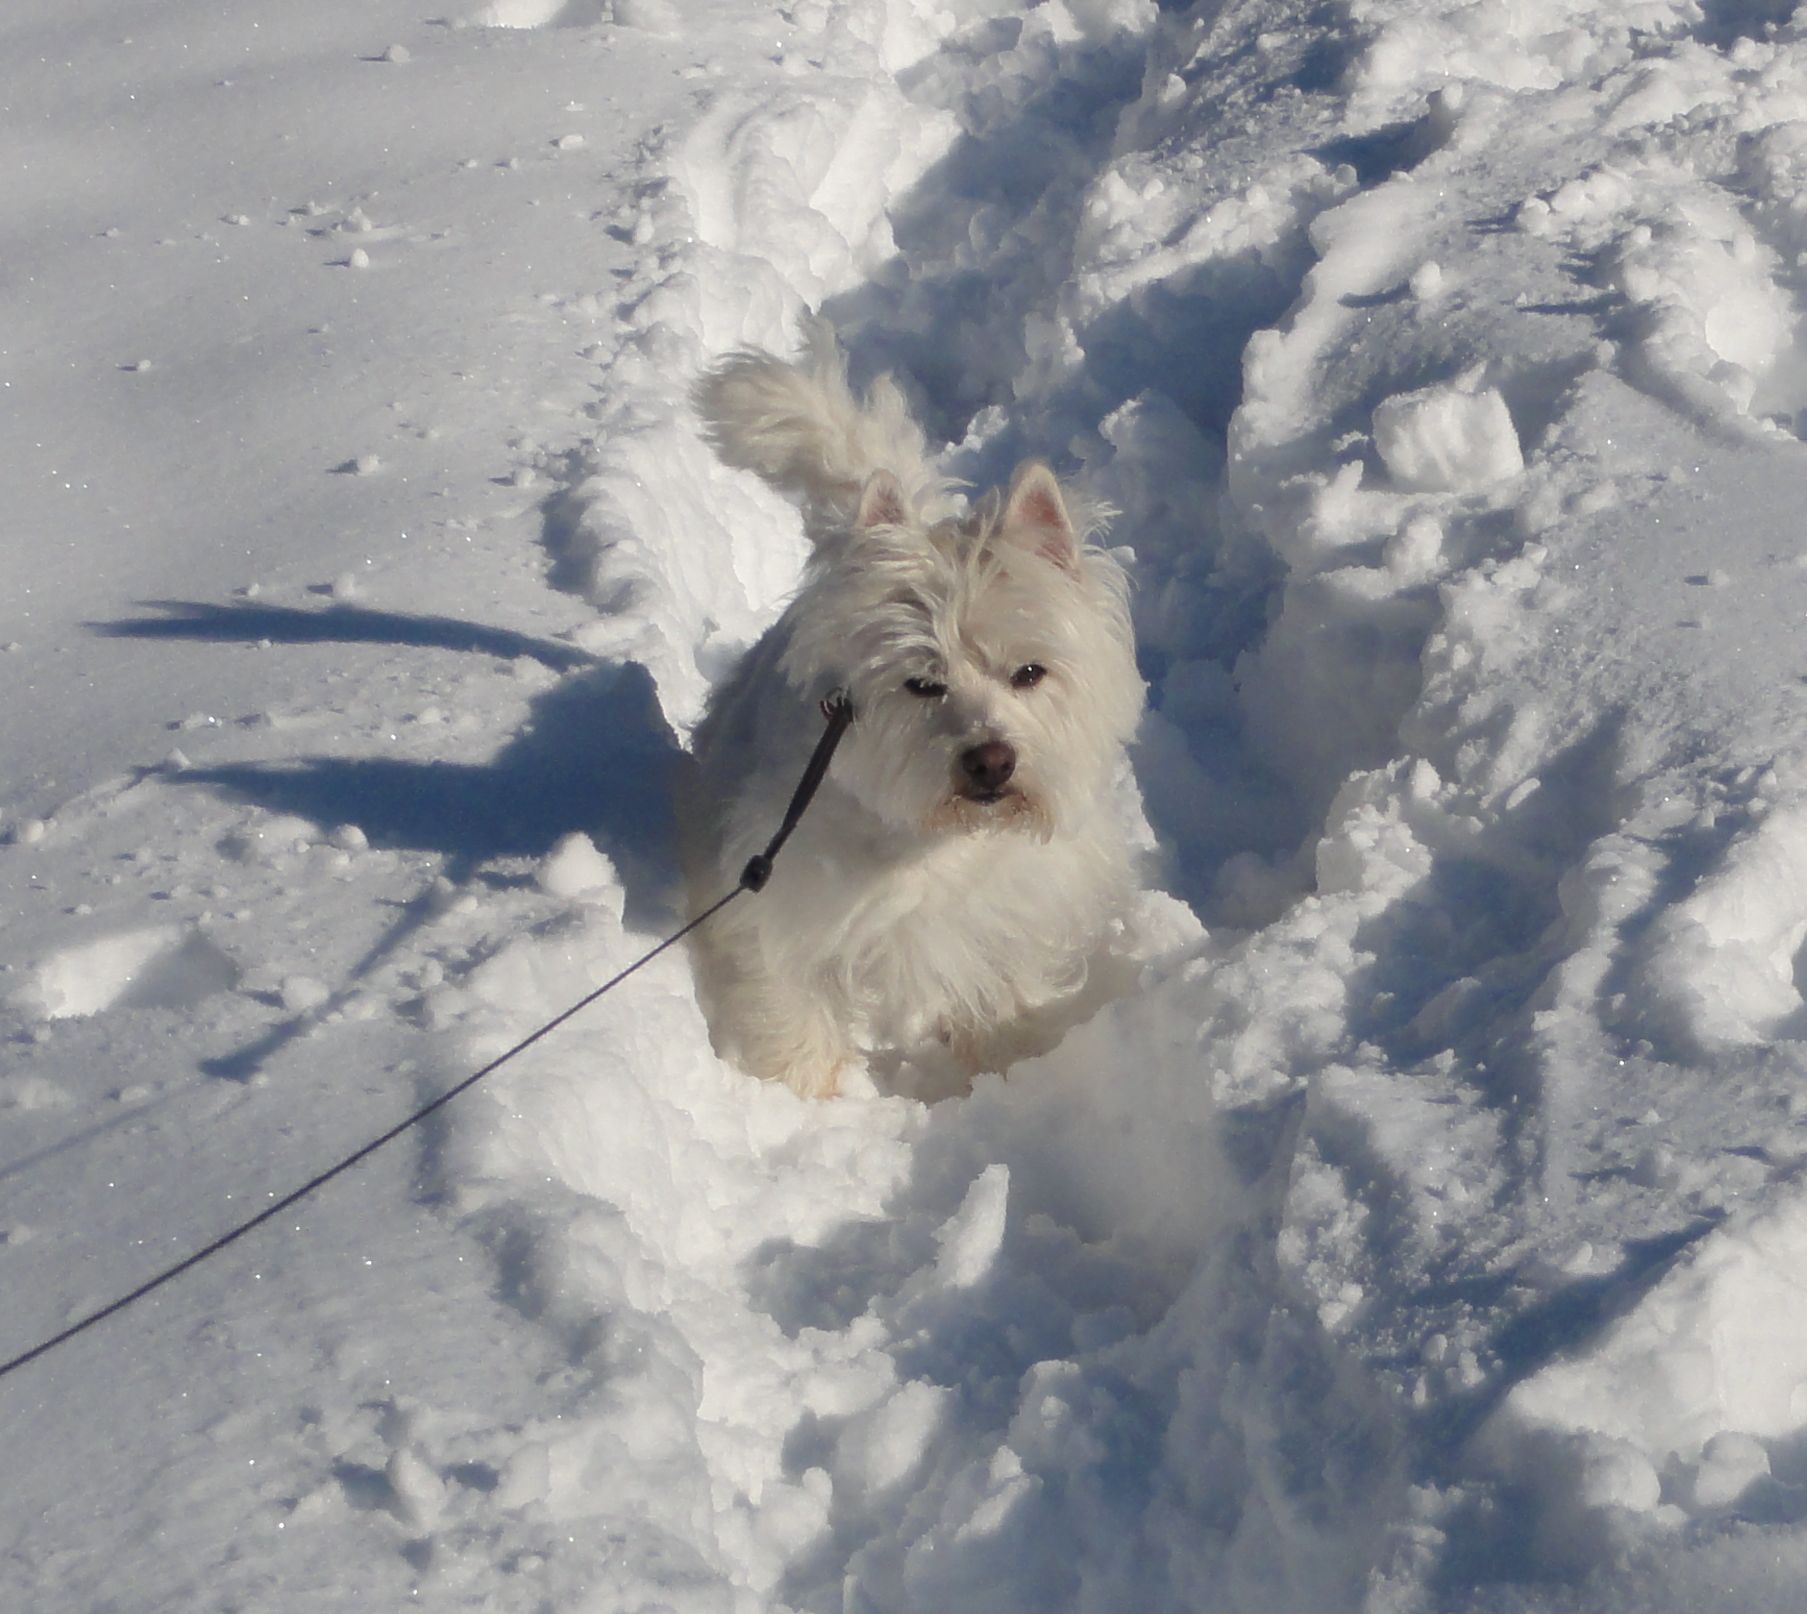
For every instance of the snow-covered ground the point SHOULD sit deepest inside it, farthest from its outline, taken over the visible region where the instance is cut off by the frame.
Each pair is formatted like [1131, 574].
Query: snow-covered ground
[1425, 1231]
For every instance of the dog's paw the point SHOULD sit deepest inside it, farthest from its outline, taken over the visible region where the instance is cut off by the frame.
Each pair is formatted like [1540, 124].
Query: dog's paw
[974, 1048]
[815, 1079]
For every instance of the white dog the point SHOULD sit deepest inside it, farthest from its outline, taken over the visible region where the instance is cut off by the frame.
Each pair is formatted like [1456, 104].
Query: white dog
[964, 858]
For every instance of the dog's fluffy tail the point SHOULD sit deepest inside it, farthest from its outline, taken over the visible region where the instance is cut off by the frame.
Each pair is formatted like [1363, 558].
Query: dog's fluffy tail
[800, 427]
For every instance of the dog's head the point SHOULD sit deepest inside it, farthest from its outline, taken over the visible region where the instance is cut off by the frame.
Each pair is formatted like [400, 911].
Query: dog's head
[989, 658]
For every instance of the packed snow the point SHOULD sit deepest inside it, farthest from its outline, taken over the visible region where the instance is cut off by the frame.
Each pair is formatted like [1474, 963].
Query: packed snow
[1417, 1226]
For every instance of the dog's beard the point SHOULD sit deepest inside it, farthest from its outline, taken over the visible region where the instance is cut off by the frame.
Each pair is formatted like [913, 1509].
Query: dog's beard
[1010, 811]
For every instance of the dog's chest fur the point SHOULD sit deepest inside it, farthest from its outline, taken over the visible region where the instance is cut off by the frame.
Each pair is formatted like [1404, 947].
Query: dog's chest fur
[915, 934]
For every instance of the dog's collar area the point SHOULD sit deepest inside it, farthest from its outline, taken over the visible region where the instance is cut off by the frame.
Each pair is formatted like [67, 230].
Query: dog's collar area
[835, 702]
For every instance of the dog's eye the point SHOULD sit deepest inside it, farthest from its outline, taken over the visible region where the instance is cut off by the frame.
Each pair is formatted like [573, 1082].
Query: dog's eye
[1028, 675]
[927, 688]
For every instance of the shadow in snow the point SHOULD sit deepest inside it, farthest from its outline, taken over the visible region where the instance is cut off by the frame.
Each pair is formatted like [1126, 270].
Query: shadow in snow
[595, 755]
[244, 1062]
[1723, 23]
[1486, 1539]
[986, 236]
[1559, 1325]
[248, 622]
[1379, 154]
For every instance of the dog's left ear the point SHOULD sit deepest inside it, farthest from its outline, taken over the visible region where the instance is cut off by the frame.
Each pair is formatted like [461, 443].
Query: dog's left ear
[881, 503]
[1036, 514]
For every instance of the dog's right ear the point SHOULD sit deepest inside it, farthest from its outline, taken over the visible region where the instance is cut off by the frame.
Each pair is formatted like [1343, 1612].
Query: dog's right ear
[1035, 511]
[881, 503]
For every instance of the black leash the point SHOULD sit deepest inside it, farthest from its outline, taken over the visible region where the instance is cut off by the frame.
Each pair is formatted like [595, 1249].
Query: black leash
[838, 709]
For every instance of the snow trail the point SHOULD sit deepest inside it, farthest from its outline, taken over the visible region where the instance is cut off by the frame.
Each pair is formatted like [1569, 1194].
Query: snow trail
[896, 1373]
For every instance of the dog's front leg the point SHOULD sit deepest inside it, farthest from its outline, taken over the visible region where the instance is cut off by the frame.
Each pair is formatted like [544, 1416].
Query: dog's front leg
[785, 1034]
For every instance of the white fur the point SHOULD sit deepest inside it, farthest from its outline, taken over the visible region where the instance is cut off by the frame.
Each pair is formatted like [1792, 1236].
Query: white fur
[920, 897]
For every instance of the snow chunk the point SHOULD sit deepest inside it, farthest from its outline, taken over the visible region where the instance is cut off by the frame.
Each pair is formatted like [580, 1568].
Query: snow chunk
[970, 1239]
[417, 1492]
[883, 1447]
[526, 1476]
[659, 17]
[1415, 552]
[268, 838]
[302, 994]
[1730, 1464]
[164, 966]
[516, 13]
[30, 1093]
[1446, 440]
[1722, 964]
[575, 868]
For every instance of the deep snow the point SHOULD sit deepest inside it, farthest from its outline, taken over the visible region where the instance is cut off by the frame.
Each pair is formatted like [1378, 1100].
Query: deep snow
[1421, 1229]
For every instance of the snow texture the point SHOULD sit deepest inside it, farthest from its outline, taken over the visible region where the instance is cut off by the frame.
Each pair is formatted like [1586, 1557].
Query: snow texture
[1420, 1228]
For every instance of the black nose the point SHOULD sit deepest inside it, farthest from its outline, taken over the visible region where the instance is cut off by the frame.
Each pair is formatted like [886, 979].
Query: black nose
[988, 767]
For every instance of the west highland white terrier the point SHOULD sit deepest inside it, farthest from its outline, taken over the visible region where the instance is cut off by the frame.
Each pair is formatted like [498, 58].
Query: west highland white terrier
[964, 859]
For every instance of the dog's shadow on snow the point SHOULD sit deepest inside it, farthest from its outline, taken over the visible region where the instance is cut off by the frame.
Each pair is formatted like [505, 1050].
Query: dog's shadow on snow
[594, 755]
[251, 622]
